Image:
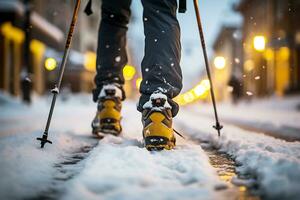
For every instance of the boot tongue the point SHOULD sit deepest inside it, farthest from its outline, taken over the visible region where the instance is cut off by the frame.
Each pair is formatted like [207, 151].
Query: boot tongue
[159, 102]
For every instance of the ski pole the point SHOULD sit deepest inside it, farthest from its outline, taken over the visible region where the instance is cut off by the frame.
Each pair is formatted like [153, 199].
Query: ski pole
[218, 126]
[55, 91]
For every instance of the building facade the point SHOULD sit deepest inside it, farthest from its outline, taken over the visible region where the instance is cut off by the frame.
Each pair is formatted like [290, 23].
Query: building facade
[270, 46]
[227, 61]
[49, 24]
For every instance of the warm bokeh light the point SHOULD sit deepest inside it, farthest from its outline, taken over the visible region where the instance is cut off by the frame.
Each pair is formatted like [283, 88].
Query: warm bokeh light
[188, 97]
[50, 64]
[259, 43]
[128, 72]
[138, 83]
[90, 61]
[249, 65]
[206, 84]
[199, 90]
[219, 62]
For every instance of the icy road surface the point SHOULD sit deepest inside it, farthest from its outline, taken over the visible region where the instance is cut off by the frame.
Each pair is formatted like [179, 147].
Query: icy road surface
[77, 166]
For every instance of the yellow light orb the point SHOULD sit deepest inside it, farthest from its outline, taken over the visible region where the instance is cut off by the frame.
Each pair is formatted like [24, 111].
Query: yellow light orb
[138, 83]
[188, 97]
[259, 43]
[219, 62]
[90, 61]
[249, 65]
[206, 84]
[128, 72]
[199, 90]
[50, 64]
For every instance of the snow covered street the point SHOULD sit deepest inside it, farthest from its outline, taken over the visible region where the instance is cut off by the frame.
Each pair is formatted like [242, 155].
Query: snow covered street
[78, 166]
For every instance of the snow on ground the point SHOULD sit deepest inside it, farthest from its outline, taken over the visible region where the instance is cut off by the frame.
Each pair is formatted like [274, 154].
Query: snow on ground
[280, 116]
[117, 168]
[25, 169]
[274, 162]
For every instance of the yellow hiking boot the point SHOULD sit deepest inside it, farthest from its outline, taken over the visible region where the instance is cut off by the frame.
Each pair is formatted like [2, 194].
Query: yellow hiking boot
[108, 116]
[157, 124]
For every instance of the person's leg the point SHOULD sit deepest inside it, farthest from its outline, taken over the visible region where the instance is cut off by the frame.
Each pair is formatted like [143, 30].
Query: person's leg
[160, 67]
[111, 52]
[111, 58]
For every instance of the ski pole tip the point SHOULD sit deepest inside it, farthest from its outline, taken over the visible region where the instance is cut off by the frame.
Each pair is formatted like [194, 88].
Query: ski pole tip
[43, 140]
[218, 127]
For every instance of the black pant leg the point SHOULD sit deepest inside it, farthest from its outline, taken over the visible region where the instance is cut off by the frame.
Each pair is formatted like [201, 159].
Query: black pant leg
[111, 52]
[160, 67]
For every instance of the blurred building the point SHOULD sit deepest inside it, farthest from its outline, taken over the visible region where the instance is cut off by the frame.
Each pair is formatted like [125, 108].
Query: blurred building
[271, 46]
[227, 62]
[49, 26]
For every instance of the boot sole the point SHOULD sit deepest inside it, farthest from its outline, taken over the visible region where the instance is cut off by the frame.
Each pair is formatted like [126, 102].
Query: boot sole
[106, 129]
[158, 143]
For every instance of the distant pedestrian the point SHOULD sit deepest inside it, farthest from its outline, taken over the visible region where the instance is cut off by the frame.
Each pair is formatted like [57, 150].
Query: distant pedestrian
[235, 83]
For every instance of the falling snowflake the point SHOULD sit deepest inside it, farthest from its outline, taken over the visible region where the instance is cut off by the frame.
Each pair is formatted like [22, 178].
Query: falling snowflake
[229, 88]
[244, 76]
[119, 49]
[107, 46]
[147, 70]
[145, 19]
[249, 93]
[163, 31]
[257, 77]
[146, 82]
[118, 58]
[172, 64]
[28, 79]
[157, 11]
[155, 40]
[112, 16]
[237, 60]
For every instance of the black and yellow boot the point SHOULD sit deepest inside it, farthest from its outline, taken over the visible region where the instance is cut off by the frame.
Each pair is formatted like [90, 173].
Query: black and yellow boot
[157, 124]
[108, 116]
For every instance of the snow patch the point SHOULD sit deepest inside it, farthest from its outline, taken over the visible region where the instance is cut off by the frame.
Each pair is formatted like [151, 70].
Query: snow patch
[275, 163]
[158, 95]
[110, 87]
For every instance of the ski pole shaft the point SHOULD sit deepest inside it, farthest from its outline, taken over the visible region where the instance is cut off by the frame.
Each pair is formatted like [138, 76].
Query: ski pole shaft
[218, 126]
[55, 91]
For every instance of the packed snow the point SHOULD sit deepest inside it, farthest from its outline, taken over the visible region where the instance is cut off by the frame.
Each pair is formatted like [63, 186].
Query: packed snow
[120, 168]
[273, 162]
[280, 116]
[117, 168]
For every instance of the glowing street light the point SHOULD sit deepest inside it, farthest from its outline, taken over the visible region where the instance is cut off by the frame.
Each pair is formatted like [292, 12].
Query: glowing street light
[50, 64]
[128, 72]
[259, 43]
[219, 62]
